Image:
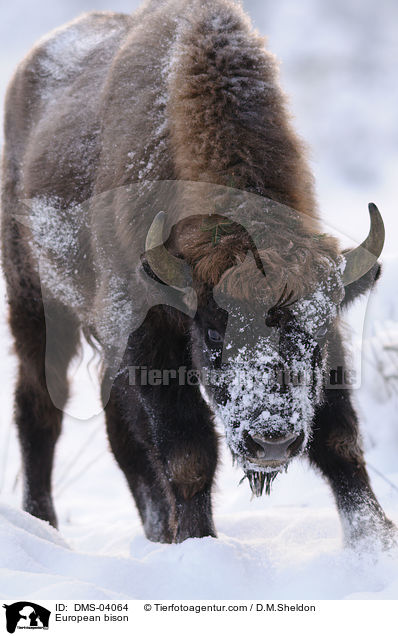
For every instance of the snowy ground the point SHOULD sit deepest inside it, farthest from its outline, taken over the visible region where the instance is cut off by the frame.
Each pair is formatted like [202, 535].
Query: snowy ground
[288, 545]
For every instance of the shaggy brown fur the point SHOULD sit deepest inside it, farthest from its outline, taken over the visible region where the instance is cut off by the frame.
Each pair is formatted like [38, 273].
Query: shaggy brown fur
[286, 261]
[229, 122]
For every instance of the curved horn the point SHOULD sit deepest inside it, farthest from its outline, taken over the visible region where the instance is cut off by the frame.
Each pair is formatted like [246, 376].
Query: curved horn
[361, 259]
[171, 270]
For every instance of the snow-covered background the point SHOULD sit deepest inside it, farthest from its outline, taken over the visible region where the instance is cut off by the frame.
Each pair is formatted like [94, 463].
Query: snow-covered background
[339, 63]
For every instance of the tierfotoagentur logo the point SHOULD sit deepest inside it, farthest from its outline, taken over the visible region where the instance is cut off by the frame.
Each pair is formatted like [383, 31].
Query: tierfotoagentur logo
[145, 376]
[26, 615]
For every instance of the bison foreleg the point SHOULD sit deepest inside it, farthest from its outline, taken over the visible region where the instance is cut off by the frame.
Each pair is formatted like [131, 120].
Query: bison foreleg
[128, 436]
[168, 453]
[336, 450]
[186, 442]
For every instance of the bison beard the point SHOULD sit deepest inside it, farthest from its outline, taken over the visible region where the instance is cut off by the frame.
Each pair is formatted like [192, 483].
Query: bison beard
[258, 480]
[152, 190]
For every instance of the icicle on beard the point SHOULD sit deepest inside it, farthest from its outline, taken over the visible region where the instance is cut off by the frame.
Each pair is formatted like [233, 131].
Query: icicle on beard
[258, 480]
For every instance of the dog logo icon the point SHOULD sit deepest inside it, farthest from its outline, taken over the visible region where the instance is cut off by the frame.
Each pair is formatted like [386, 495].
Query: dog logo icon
[26, 615]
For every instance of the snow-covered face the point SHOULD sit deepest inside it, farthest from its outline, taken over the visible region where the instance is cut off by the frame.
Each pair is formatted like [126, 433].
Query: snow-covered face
[266, 372]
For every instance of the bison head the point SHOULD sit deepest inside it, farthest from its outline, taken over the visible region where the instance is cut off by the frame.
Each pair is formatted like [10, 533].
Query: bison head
[266, 330]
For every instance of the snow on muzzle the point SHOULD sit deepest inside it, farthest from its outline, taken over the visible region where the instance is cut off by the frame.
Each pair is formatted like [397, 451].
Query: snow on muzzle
[271, 381]
[269, 390]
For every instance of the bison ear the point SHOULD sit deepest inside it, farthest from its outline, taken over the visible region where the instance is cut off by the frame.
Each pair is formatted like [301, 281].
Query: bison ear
[362, 285]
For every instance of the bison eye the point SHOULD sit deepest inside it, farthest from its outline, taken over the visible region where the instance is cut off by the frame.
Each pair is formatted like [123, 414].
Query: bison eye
[214, 336]
[322, 331]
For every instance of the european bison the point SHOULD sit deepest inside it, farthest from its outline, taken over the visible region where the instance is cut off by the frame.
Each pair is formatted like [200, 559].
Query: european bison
[156, 198]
